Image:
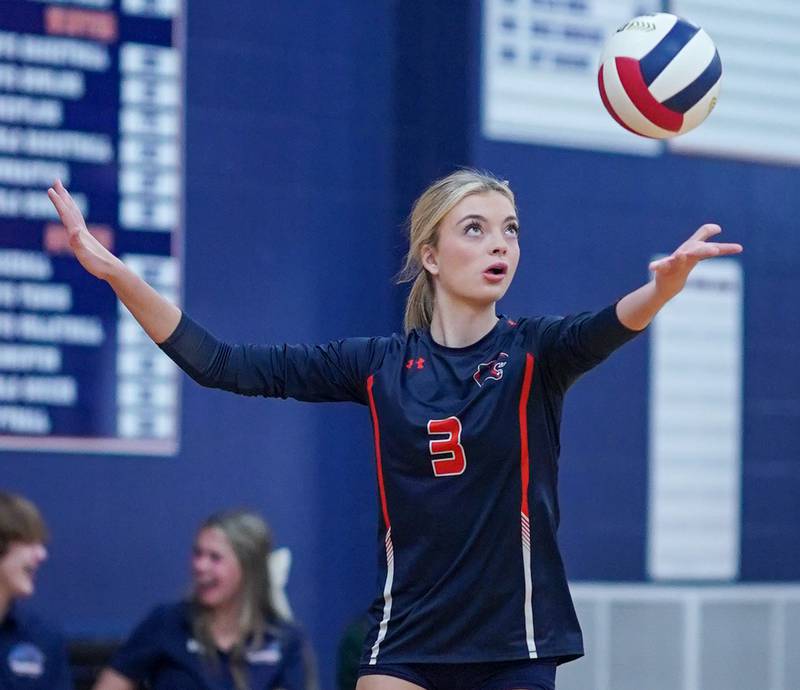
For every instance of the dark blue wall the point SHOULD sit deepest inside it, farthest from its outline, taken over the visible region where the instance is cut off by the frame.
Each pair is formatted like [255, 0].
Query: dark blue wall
[310, 127]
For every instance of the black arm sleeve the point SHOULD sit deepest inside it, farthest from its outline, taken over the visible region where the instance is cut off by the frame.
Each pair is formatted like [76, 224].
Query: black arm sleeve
[333, 372]
[572, 345]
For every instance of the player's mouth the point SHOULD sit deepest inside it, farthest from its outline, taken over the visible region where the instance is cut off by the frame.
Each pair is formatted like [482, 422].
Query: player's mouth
[26, 578]
[204, 586]
[497, 272]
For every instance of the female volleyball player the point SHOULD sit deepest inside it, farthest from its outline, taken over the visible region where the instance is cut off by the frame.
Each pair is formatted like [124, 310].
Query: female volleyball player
[465, 409]
[228, 635]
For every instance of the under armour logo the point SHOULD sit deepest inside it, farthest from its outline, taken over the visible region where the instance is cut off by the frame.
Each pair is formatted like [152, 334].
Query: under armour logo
[490, 371]
[420, 363]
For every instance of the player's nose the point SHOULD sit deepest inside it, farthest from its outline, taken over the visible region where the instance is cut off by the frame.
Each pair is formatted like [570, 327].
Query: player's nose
[499, 244]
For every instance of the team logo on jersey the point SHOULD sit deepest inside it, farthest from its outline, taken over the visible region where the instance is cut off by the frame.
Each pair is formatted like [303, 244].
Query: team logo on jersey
[490, 371]
[271, 654]
[27, 660]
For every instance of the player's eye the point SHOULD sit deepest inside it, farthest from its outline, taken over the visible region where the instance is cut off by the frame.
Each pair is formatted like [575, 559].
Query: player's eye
[473, 229]
[513, 230]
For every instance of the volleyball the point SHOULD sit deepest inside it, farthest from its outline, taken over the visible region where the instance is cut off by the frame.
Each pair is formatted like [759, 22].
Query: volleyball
[659, 75]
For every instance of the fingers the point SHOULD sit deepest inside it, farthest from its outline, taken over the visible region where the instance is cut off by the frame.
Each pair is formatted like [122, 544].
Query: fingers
[669, 262]
[59, 190]
[729, 248]
[705, 231]
[54, 193]
[708, 250]
[56, 200]
[696, 248]
[660, 264]
[64, 191]
[686, 259]
[67, 209]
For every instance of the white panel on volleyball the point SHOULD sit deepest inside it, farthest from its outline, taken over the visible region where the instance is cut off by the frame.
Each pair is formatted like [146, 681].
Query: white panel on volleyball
[695, 428]
[756, 117]
[540, 62]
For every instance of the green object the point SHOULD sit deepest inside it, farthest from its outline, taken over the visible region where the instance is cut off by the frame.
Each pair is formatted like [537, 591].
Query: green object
[348, 657]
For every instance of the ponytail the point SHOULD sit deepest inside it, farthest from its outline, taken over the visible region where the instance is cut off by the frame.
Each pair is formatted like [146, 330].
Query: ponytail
[419, 305]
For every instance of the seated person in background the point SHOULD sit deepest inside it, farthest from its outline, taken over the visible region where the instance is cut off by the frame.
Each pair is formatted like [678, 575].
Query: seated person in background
[228, 635]
[32, 656]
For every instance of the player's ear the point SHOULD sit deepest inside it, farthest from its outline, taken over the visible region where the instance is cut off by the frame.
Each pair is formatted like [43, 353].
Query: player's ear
[430, 261]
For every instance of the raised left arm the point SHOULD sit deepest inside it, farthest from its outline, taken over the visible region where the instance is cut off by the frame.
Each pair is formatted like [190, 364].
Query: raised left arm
[637, 309]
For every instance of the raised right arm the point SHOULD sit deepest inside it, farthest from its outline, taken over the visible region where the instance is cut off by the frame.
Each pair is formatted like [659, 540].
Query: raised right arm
[156, 314]
[332, 372]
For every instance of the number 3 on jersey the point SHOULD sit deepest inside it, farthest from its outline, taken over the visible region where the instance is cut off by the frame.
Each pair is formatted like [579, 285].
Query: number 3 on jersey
[447, 454]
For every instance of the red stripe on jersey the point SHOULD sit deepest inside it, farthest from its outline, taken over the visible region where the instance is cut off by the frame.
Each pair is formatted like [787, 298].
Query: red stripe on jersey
[379, 464]
[523, 431]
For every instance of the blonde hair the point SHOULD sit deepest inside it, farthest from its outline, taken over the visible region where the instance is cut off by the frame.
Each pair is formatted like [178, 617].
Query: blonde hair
[423, 229]
[251, 540]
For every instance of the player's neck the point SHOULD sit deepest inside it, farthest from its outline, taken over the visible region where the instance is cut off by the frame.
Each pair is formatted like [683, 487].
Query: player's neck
[225, 625]
[457, 324]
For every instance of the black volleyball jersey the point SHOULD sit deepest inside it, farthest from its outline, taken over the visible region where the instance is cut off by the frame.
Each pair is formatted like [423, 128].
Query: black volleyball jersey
[466, 450]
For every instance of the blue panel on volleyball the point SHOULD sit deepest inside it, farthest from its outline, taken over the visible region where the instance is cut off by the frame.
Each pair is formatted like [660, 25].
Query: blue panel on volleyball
[688, 97]
[665, 51]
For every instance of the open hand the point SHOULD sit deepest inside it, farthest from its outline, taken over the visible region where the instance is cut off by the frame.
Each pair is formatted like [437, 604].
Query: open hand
[672, 271]
[92, 255]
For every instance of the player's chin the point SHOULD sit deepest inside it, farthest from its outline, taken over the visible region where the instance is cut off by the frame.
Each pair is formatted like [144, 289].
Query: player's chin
[483, 293]
[208, 601]
[486, 296]
[23, 587]
[206, 596]
[493, 292]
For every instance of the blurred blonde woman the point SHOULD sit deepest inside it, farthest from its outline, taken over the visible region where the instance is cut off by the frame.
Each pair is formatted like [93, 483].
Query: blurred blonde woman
[228, 635]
